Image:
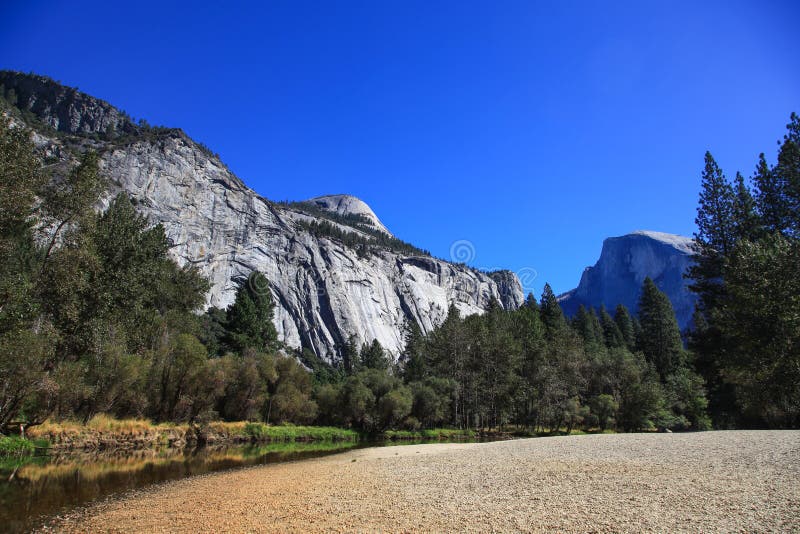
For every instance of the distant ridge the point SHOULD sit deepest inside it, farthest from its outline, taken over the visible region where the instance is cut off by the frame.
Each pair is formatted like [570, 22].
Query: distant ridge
[334, 276]
[625, 262]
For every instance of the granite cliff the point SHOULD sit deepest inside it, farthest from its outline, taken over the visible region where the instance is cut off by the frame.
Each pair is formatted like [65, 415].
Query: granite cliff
[326, 288]
[624, 264]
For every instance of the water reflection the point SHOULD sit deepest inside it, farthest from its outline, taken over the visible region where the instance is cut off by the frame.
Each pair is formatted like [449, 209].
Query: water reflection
[46, 486]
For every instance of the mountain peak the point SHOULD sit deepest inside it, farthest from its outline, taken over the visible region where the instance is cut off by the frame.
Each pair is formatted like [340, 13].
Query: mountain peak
[348, 205]
[65, 109]
[682, 243]
[625, 262]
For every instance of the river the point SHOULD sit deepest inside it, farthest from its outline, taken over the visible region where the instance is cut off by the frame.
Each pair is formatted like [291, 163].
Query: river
[48, 485]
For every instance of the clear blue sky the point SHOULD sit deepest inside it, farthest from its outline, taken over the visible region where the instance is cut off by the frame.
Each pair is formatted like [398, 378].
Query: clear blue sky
[532, 129]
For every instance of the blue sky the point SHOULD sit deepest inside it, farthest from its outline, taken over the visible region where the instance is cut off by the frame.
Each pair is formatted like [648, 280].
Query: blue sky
[532, 129]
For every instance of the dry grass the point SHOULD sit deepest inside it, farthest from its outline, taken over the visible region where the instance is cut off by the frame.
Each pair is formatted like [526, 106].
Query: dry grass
[98, 423]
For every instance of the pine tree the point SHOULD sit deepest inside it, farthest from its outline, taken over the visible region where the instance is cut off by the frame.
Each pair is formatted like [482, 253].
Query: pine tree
[770, 199]
[744, 211]
[661, 338]
[414, 363]
[530, 302]
[374, 357]
[349, 356]
[499, 360]
[249, 318]
[759, 325]
[588, 327]
[550, 311]
[611, 333]
[715, 234]
[625, 323]
[788, 174]
[529, 330]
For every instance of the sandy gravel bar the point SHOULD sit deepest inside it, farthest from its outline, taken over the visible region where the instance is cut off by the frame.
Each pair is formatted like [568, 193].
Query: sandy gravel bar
[705, 482]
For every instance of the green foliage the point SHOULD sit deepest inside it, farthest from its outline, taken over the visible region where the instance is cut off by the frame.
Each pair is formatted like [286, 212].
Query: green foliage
[249, 318]
[604, 407]
[612, 335]
[181, 380]
[440, 434]
[365, 242]
[760, 324]
[290, 433]
[373, 356]
[551, 313]
[290, 394]
[21, 181]
[745, 331]
[247, 390]
[432, 401]
[660, 338]
[15, 446]
[626, 326]
[116, 275]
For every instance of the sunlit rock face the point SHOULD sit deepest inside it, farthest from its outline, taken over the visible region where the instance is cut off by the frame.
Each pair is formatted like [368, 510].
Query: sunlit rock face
[349, 205]
[625, 262]
[325, 292]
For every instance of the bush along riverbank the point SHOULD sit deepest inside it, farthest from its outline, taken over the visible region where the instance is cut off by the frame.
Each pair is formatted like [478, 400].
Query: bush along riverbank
[16, 451]
[103, 433]
[438, 434]
[16, 447]
[107, 434]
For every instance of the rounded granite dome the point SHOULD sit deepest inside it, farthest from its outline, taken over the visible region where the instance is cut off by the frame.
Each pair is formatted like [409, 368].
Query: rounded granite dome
[348, 205]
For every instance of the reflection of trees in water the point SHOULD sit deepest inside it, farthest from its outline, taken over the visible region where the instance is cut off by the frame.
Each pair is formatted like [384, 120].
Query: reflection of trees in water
[49, 485]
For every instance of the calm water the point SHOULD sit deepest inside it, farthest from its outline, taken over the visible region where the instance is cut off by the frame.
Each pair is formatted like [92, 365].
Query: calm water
[38, 490]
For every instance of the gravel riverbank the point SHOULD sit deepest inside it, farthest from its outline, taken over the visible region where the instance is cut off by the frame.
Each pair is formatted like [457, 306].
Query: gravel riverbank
[711, 481]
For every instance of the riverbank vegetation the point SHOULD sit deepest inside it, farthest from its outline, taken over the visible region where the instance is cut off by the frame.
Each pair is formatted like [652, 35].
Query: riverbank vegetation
[96, 319]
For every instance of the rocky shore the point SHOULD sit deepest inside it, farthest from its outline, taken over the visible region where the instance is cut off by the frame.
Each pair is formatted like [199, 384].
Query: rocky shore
[712, 481]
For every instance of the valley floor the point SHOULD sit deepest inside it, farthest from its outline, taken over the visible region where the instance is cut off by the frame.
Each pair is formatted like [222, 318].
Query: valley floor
[711, 481]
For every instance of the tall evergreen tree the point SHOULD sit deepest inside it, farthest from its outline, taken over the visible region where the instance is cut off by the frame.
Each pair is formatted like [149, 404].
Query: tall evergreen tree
[788, 174]
[770, 198]
[588, 327]
[249, 318]
[744, 211]
[625, 323]
[529, 330]
[530, 302]
[611, 333]
[661, 338]
[715, 234]
[374, 357]
[414, 361]
[760, 328]
[551, 312]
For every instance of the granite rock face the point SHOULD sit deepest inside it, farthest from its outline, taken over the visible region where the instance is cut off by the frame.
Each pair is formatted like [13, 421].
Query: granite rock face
[625, 262]
[64, 109]
[325, 292]
[349, 205]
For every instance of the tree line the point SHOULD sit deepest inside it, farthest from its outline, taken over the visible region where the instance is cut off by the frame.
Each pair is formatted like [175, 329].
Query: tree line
[95, 317]
[746, 330]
